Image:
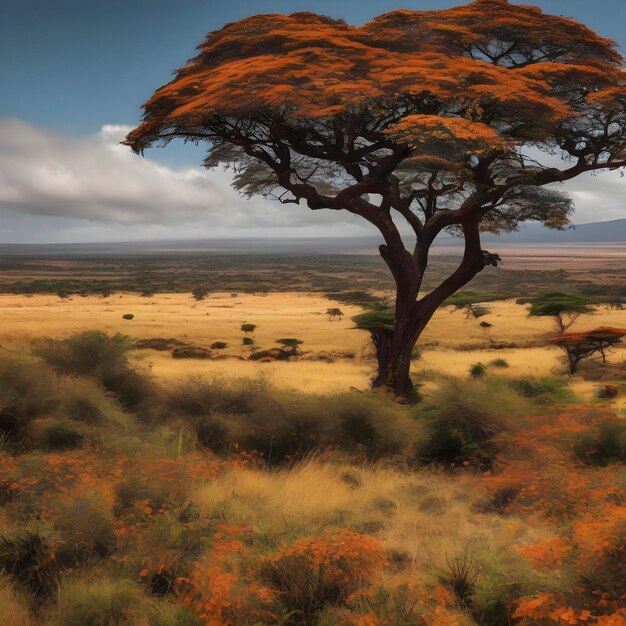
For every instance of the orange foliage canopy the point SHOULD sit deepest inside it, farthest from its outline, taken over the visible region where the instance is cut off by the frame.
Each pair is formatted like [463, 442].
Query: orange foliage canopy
[598, 335]
[436, 88]
[520, 63]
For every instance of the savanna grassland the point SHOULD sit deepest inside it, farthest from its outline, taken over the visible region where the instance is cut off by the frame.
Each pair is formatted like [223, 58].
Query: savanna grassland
[167, 460]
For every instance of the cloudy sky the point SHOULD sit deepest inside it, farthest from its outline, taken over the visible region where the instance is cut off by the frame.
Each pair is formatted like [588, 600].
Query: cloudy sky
[72, 76]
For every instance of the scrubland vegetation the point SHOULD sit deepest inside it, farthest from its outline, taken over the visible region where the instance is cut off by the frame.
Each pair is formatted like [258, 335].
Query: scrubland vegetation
[131, 500]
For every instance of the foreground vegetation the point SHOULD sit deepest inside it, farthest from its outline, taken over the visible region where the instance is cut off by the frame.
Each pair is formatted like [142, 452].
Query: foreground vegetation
[217, 501]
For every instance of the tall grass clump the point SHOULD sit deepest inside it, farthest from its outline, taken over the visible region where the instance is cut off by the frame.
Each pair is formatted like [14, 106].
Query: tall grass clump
[27, 391]
[102, 356]
[103, 602]
[199, 395]
[13, 607]
[461, 422]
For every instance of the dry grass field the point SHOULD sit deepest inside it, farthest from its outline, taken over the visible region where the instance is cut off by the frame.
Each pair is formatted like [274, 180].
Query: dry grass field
[139, 489]
[451, 343]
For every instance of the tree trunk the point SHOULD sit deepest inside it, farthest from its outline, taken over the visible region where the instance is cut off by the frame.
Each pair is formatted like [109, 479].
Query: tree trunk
[394, 347]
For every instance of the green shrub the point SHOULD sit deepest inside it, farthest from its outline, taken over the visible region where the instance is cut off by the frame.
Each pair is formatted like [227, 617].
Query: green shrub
[128, 316]
[287, 426]
[248, 328]
[85, 523]
[478, 370]
[88, 353]
[94, 353]
[291, 345]
[466, 298]
[197, 395]
[606, 447]
[543, 390]
[461, 421]
[102, 602]
[86, 401]
[219, 345]
[27, 390]
[199, 293]
[191, 352]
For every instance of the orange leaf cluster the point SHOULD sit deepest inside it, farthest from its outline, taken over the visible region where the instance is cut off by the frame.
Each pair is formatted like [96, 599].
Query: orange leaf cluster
[303, 69]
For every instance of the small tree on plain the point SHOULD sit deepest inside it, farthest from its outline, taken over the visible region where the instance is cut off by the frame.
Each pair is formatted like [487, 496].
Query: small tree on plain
[199, 293]
[581, 346]
[291, 345]
[564, 307]
[334, 313]
[248, 328]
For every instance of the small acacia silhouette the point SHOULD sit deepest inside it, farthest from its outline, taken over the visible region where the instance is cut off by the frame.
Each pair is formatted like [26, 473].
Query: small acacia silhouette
[584, 345]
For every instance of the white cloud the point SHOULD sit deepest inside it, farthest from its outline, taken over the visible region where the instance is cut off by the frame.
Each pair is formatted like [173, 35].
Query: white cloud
[95, 178]
[93, 188]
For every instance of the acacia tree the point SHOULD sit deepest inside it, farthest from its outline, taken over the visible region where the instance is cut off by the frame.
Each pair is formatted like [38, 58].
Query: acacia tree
[565, 308]
[445, 120]
[583, 345]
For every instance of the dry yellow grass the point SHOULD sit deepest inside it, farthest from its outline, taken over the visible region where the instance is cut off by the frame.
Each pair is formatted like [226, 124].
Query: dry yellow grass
[13, 609]
[426, 517]
[298, 315]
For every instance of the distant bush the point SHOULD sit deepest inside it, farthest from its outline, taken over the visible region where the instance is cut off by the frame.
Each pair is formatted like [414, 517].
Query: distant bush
[128, 316]
[291, 345]
[467, 298]
[191, 352]
[485, 325]
[248, 328]
[478, 370]
[219, 345]
[158, 343]
[359, 298]
[57, 434]
[501, 363]
[199, 293]
[477, 312]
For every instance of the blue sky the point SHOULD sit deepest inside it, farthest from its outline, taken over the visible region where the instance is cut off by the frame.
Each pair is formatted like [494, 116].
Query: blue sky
[69, 68]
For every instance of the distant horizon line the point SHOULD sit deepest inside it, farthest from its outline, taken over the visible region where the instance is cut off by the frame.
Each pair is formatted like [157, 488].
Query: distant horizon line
[229, 238]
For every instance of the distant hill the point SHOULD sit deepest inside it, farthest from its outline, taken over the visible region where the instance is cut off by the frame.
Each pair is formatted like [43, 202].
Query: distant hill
[613, 231]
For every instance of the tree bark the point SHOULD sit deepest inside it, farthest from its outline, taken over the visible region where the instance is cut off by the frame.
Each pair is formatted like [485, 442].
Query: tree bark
[411, 316]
